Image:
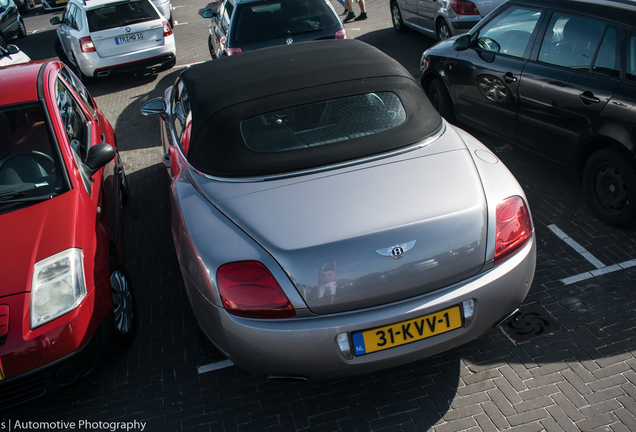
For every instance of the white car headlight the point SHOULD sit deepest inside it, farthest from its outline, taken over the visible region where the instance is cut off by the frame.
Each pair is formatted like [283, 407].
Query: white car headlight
[57, 287]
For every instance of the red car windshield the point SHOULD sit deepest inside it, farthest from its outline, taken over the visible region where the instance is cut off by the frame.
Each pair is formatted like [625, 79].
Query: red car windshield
[29, 167]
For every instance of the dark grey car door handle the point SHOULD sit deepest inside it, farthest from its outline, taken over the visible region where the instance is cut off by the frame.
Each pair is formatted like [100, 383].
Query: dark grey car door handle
[509, 78]
[588, 98]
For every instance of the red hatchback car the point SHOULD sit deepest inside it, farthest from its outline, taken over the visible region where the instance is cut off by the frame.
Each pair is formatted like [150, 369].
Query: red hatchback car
[64, 293]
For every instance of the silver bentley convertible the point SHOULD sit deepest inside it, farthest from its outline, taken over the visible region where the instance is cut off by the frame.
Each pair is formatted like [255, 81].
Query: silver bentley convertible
[328, 222]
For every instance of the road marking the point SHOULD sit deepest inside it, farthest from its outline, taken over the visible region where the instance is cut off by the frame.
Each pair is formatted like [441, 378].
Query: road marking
[215, 366]
[37, 30]
[177, 23]
[601, 268]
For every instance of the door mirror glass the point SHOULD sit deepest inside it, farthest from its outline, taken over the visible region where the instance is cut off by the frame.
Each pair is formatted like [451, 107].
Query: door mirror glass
[154, 107]
[208, 13]
[461, 43]
[55, 20]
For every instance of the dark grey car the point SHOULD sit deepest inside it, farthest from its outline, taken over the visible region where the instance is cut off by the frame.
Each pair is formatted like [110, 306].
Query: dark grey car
[328, 222]
[11, 23]
[246, 25]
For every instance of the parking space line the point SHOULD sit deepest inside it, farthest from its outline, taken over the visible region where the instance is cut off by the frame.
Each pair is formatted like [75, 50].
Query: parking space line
[577, 247]
[601, 268]
[215, 366]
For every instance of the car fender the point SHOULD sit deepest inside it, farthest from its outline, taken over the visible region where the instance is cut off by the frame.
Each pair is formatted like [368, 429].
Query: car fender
[205, 238]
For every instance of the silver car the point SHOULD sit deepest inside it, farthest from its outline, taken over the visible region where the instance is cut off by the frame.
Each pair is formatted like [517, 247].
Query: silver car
[328, 222]
[439, 19]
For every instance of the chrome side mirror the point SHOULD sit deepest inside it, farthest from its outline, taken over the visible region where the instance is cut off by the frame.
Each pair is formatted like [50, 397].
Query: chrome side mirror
[153, 107]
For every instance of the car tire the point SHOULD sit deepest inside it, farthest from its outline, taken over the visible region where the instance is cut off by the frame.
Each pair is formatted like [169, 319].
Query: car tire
[125, 191]
[85, 79]
[443, 31]
[609, 183]
[211, 48]
[171, 21]
[396, 16]
[120, 325]
[441, 100]
[59, 51]
[23, 30]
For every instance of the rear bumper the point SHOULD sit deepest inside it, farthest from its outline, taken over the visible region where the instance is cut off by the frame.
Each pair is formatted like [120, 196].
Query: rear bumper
[307, 347]
[92, 65]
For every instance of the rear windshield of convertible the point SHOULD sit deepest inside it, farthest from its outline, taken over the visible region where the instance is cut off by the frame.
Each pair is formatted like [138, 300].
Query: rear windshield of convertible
[305, 129]
[120, 14]
[323, 122]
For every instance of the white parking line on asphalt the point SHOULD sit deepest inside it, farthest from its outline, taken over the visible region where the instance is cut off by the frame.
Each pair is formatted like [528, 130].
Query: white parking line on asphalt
[601, 268]
[215, 366]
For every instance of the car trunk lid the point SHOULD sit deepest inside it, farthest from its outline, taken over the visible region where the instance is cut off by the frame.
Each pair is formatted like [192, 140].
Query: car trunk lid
[367, 236]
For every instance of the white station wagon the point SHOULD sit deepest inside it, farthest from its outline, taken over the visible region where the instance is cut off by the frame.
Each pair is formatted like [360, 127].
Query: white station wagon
[103, 36]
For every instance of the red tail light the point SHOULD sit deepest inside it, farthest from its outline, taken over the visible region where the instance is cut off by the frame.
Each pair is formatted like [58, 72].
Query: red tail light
[86, 44]
[341, 34]
[248, 289]
[464, 7]
[514, 228]
[167, 30]
[232, 51]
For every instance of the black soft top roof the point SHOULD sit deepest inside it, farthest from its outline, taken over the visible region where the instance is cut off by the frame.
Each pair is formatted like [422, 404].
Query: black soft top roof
[224, 92]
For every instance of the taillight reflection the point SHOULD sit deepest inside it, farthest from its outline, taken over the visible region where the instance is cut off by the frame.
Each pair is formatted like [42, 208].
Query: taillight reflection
[464, 7]
[341, 34]
[514, 228]
[248, 289]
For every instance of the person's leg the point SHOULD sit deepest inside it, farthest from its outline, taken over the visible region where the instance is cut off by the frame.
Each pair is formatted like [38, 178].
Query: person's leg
[350, 14]
[363, 11]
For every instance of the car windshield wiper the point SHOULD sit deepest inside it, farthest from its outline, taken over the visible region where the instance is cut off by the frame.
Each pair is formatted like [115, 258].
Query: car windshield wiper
[18, 197]
[134, 20]
[305, 31]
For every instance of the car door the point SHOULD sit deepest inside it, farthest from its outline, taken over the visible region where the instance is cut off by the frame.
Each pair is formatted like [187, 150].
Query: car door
[221, 27]
[426, 11]
[9, 25]
[408, 8]
[486, 81]
[66, 29]
[562, 92]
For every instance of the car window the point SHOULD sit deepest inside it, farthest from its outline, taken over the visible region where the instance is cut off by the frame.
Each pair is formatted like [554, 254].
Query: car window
[272, 19]
[79, 88]
[77, 18]
[226, 16]
[120, 14]
[69, 17]
[571, 41]
[630, 46]
[323, 122]
[509, 32]
[29, 166]
[181, 114]
[76, 126]
[607, 61]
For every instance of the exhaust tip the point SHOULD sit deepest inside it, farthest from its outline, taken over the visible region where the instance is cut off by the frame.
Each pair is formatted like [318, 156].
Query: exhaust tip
[103, 73]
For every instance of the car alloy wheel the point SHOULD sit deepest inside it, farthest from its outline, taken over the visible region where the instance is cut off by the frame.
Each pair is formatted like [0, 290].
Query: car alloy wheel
[443, 32]
[23, 30]
[120, 324]
[609, 182]
[440, 99]
[396, 15]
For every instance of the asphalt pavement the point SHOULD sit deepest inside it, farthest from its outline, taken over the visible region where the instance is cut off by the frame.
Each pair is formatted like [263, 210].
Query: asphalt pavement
[571, 366]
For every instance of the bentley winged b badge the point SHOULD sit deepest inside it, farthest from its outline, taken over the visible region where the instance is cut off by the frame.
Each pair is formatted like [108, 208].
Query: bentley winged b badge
[397, 251]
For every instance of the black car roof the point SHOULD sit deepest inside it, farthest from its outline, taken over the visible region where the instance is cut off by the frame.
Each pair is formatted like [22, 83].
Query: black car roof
[215, 85]
[224, 92]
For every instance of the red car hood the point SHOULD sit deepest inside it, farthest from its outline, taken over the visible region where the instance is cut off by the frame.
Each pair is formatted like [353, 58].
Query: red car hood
[33, 233]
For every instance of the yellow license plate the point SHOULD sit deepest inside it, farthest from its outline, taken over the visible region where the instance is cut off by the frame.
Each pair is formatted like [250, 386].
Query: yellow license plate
[405, 332]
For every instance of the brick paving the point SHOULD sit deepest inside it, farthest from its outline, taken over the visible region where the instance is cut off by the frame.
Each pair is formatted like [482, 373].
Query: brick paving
[581, 379]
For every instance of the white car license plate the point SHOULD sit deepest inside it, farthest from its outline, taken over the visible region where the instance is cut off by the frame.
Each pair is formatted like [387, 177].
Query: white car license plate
[129, 38]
